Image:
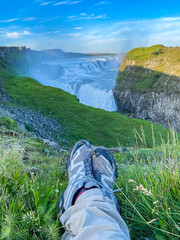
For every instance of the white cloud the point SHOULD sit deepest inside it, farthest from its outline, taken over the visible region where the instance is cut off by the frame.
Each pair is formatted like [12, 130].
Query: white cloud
[84, 16]
[78, 28]
[66, 3]
[29, 19]
[102, 37]
[26, 33]
[100, 16]
[169, 19]
[55, 32]
[47, 20]
[14, 35]
[74, 2]
[46, 3]
[9, 20]
[75, 35]
[102, 3]
[61, 3]
[71, 17]
[120, 31]
[125, 35]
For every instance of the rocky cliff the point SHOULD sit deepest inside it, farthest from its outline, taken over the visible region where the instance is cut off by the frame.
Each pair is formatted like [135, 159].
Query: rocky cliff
[148, 85]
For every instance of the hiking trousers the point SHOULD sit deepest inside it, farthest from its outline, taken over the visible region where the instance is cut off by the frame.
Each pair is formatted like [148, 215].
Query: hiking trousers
[93, 217]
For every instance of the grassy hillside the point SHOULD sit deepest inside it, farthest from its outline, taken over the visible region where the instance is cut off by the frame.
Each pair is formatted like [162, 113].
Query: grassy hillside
[155, 68]
[78, 121]
[158, 58]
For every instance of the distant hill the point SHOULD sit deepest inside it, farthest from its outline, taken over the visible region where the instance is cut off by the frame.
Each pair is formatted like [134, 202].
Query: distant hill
[51, 54]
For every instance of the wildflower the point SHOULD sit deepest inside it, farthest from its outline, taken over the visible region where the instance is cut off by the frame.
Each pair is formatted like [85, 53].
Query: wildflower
[60, 184]
[30, 216]
[143, 189]
[130, 180]
[56, 190]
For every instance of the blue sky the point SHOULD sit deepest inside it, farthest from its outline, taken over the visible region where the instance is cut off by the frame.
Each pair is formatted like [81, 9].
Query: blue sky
[89, 25]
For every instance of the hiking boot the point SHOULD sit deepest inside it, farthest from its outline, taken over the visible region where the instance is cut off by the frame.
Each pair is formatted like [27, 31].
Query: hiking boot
[79, 174]
[105, 171]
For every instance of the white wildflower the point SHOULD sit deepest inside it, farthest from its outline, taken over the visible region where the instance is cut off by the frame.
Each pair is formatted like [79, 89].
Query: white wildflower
[130, 180]
[142, 189]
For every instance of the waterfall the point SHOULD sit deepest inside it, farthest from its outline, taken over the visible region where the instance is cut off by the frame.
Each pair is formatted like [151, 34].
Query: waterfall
[91, 79]
[90, 96]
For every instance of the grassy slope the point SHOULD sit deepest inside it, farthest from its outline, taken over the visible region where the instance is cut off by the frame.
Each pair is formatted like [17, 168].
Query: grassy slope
[158, 58]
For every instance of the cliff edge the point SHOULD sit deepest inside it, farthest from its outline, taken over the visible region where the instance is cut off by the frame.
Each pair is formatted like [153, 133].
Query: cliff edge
[148, 85]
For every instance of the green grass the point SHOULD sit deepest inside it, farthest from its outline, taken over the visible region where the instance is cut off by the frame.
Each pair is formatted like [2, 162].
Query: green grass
[28, 199]
[9, 127]
[144, 53]
[7, 123]
[157, 57]
[149, 199]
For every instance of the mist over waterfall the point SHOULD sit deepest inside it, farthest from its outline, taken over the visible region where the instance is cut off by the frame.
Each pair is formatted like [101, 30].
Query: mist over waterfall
[90, 78]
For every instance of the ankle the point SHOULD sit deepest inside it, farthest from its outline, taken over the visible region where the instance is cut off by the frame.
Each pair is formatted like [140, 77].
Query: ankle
[81, 191]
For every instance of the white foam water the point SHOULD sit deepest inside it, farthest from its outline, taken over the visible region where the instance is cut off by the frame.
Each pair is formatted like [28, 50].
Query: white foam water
[91, 96]
[91, 79]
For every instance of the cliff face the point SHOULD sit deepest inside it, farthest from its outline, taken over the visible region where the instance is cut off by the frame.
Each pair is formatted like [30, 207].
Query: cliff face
[148, 85]
[9, 54]
[4, 51]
